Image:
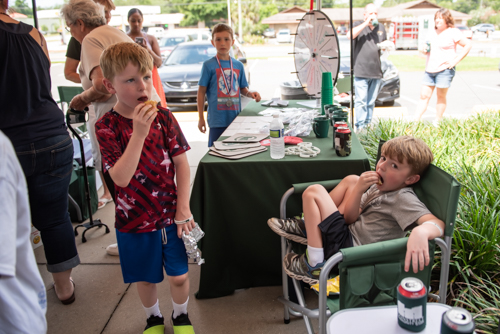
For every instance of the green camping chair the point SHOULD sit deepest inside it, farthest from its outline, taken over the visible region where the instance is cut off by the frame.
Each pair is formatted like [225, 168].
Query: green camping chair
[370, 274]
[66, 94]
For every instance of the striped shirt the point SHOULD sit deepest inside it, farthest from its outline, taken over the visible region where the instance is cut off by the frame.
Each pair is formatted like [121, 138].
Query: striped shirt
[148, 203]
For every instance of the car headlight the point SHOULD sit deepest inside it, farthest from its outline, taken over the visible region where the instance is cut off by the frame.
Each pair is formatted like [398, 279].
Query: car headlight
[391, 73]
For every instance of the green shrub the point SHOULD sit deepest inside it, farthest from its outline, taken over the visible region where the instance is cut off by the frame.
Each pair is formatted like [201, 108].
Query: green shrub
[469, 149]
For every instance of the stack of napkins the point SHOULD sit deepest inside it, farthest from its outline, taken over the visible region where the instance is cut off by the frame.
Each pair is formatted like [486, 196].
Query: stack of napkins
[235, 150]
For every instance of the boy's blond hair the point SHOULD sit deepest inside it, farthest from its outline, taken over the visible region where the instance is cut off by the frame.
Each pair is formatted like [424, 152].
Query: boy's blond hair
[413, 151]
[116, 58]
[221, 27]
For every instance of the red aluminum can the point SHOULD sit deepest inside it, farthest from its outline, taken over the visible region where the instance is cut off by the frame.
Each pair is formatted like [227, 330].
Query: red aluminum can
[339, 124]
[412, 304]
[412, 288]
[342, 141]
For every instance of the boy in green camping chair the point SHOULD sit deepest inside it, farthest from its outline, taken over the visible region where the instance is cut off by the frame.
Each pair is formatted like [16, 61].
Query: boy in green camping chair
[375, 206]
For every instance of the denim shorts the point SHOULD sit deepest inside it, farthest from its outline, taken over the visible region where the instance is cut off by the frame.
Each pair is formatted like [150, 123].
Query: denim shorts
[144, 255]
[439, 79]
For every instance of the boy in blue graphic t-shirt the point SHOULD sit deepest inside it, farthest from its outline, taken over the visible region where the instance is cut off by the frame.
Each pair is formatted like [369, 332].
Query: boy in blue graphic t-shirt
[222, 80]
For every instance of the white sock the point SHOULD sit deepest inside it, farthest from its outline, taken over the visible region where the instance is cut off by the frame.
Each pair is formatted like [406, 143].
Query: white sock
[315, 255]
[180, 309]
[153, 310]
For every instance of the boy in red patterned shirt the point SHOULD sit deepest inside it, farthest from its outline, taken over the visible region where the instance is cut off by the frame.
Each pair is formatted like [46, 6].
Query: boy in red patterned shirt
[142, 150]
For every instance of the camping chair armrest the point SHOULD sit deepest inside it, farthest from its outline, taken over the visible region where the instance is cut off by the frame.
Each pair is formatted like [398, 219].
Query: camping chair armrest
[445, 269]
[324, 275]
[299, 188]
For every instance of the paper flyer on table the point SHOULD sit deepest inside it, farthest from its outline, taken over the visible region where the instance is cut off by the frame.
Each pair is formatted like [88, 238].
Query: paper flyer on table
[235, 157]
[245, 138]
[219, 145]
[238, 151]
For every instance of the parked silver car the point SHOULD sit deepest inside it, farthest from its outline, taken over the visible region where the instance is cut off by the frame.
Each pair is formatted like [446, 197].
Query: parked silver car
[284, 36]
[181, 71]
[269, 33]
[483, 27]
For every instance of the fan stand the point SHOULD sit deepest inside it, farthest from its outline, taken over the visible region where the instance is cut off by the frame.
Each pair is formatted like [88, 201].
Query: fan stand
[70, 115]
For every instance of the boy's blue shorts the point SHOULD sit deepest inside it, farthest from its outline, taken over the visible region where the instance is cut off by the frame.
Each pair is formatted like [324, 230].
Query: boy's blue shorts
[143, 256]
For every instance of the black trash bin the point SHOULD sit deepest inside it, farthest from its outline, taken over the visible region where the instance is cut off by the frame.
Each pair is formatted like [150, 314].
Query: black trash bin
[293, 90]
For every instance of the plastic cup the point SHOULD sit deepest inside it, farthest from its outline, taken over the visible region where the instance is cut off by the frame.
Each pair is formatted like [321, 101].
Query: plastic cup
[326, 80]
[327, 96]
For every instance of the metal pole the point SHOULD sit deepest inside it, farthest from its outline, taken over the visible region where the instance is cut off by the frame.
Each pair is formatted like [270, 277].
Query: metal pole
[318, 5]
[63, 30]
[35, 18]
[240, 23]
[352, 65]
[229, 12]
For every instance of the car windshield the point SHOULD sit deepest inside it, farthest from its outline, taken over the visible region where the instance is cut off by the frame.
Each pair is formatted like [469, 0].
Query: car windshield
[190, 54]
[284, 32]
[171, 41]
[462, 27]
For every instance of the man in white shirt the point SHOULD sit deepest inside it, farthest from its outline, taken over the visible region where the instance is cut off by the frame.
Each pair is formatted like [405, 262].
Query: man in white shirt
[23, 301]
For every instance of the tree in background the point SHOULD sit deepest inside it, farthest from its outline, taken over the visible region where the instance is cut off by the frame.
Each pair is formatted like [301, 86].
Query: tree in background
[253, 13]
[286, 4]
[167, 6]
[21, 6]
[483, 15]
[465, 6]
[207, 11]
[267, 10]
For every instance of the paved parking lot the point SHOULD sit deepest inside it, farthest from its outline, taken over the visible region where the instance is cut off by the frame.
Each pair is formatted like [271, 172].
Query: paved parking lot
[272, 64]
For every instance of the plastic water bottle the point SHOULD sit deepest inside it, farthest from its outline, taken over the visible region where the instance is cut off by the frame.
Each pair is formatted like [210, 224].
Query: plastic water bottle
[276, 132]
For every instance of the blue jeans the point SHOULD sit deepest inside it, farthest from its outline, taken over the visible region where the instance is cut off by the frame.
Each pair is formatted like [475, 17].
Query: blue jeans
[365, 91]
[47, 165]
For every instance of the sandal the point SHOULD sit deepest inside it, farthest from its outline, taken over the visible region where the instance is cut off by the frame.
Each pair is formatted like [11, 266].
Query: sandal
[103, 202]
[69, 300]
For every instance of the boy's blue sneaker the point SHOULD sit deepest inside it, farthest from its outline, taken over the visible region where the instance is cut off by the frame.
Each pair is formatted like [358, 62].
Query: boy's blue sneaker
[154, 325]
[181, 324]
[296, 266]
[290, 228]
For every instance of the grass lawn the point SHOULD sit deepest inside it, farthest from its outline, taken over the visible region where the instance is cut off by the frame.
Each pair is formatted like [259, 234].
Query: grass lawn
[413, 63]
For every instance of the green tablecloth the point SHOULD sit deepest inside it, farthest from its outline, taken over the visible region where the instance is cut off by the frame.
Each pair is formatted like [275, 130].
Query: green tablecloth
[233, 199]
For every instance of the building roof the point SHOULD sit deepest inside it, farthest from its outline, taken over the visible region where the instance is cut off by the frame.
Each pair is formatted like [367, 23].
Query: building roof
[412, 8]
[416, 8]
[290, 15]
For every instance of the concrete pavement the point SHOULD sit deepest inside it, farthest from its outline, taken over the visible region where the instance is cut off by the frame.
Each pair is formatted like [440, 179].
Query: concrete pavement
[104, 304]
